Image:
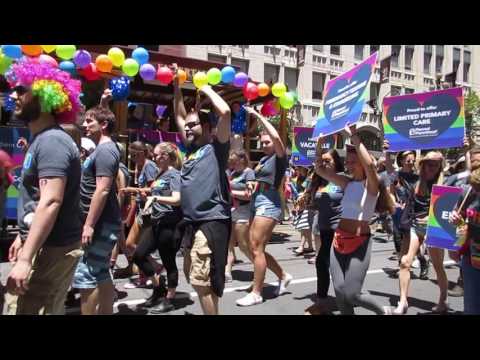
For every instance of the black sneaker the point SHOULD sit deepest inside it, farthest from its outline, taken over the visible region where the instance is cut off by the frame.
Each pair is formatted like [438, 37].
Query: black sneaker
[158, 294]
[456, 291]
[164, 306]
[424, 271]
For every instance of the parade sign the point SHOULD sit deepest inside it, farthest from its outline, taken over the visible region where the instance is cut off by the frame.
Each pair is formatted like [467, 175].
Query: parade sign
[304, 146]
[344, 98]
[440, 232]
[431, 120]
[9, 139]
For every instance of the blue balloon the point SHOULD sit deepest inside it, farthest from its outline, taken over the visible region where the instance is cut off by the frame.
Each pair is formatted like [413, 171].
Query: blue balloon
[228, 74]
[12, 51]
[140, 55]
[120, 88]
[68, 66]
[9, 104]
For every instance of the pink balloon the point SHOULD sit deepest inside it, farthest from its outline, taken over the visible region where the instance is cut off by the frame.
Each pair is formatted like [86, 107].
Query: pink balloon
[47, 59]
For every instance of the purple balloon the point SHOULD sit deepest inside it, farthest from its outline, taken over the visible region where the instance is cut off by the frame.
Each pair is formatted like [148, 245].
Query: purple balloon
[160, 110]
[82, 58]
[240, 79]
[148, 72]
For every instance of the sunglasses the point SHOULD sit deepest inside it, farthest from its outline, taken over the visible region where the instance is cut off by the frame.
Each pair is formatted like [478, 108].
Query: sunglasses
[192, 124]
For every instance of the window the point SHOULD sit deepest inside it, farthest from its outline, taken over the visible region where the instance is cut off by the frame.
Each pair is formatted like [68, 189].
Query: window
[315, 111]
[456, 59]
[291, 78]
[374, 48]
[466, 65]
[409, 91]
[409, 49]
[335, 50]
[318, 83]
[439, 59]
[395, 90]
[427, 58]
[217, 58]
[272, 50]
[318, 48]
[242, 64]
[359, 52]
[374, 90]
[395, 55]
[271, 73]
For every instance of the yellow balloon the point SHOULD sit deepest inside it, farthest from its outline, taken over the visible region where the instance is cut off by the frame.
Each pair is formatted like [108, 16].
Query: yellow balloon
[200, 79]
[48, 48]
[117, 56]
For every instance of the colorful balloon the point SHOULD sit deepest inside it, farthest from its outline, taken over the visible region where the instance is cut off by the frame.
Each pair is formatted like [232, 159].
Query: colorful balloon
[228, 74]
[12, 51]
[214, 76]
[103, 63]
[263, 89]
[287, 100]
[47, 59]
[250, 91]
[82, 58]
[278, 89]
[148, 72]
[160, 109]
[117, 56]
[32, 50]
[182, 76]
[164, 75]
[5, 63]
[90, 72]
[67, 66]
[48, 48]
[65, 52]
[240, 80]
[120, 88]
[140, 55]
[200, 79]
[130, 67]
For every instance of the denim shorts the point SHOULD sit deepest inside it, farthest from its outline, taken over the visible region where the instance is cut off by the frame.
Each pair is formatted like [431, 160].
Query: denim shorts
[418, 229]
[94, 266]
[267, 204]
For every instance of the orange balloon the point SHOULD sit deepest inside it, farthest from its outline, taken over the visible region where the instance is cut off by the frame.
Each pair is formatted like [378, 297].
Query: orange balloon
[32, 50]
[103, 63]
[182, 76]
[263, 89]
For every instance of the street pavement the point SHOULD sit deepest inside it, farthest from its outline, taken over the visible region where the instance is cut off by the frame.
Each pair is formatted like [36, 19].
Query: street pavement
[380, 283]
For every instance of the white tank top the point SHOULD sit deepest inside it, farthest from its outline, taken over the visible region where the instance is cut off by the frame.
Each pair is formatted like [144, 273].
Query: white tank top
[357, 203]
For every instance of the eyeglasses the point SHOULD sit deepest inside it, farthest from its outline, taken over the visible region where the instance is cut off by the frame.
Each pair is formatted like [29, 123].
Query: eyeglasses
[192, 124]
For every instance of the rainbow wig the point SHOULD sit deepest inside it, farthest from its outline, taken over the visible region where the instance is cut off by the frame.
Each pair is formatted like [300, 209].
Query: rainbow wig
[59, 94]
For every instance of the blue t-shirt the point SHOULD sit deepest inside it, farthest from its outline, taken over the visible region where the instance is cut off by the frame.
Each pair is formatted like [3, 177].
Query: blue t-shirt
[165, 185]
[271, 170]
[239, 181]
[328, 201]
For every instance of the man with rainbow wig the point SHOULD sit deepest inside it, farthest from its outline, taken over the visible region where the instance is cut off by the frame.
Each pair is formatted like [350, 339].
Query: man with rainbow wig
[46, 251]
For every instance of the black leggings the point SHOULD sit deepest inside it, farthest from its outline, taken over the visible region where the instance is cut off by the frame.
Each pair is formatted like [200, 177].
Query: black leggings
[158, 237]
[322, 263]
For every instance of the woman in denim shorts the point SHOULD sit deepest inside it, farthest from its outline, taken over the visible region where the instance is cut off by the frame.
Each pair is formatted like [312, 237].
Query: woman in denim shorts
[266, 210]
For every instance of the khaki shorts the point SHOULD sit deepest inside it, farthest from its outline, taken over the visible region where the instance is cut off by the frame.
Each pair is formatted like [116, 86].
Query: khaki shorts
[50, 278]
[197, 261]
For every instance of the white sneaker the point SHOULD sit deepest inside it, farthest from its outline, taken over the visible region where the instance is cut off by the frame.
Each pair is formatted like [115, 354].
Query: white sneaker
[250, 299]
[416, 263]
[282, 286]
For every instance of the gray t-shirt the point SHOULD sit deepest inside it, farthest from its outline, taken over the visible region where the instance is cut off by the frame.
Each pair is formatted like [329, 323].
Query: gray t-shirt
[104, 161]
[52, 153]
[328, 202]
[164, 185]
[239, 182]
[271, 170]
[204, 183]
[148, 174]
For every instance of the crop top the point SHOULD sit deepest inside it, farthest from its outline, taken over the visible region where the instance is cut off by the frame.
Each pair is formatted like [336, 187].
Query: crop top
[357, 203]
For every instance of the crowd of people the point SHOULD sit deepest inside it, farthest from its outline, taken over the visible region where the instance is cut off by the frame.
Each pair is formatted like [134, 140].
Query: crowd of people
[80, 207]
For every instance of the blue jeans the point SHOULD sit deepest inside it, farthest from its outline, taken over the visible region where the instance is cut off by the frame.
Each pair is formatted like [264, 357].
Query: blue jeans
[471, 287]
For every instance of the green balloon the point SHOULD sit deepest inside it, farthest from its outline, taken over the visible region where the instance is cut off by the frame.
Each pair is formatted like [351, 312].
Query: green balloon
[287, 100]
[278, 89]
[5, 63]
[214, 76]
[66, 52]
[130, 67]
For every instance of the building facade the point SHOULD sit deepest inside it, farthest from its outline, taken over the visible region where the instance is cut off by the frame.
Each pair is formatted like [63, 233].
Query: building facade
[414, 68]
